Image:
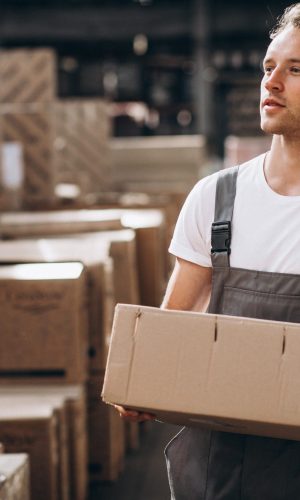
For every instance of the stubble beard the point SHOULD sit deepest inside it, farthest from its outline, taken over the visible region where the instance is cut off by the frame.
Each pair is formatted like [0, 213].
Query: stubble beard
[288, 126]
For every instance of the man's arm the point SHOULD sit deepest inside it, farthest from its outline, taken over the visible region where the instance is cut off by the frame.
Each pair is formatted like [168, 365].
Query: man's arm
[189, 289]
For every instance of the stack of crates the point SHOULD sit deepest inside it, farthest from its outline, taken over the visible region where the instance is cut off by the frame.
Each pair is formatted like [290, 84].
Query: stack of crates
[60, 140]
[63, 270]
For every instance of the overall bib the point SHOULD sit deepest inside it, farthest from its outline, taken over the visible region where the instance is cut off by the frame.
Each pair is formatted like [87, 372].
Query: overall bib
[210, 465]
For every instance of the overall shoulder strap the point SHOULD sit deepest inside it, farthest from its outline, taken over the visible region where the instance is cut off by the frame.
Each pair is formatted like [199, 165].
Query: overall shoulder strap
[221, 227]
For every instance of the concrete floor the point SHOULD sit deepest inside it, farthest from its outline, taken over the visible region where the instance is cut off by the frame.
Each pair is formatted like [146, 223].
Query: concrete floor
[145, 474]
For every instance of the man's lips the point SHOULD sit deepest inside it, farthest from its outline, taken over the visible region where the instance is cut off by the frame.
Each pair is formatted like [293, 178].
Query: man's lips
[271, 102]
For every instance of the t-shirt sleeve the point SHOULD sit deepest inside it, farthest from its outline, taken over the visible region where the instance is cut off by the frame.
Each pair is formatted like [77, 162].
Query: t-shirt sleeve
[192, 234]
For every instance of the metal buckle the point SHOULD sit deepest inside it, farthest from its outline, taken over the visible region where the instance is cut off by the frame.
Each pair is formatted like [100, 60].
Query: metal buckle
[221, 237]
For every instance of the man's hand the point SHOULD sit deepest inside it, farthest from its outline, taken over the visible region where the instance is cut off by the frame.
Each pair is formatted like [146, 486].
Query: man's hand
[133, 415]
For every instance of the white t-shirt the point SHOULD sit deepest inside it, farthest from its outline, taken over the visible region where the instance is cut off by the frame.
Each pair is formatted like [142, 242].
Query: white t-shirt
[265, 224]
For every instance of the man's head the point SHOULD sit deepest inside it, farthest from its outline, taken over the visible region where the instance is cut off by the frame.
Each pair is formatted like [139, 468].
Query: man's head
[280, 87]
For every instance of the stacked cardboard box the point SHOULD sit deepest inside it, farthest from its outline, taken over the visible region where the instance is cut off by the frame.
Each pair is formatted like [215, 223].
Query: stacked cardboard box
[27, 75]
[150, 230]
[95, 250]
[169, 203]
[34, 224]
[157, 164]
[106, 450]
[21, 402]
[71, 399]
[94, 253]
[149, 226]
[33, 430]
[31, 125]
[44, 322]
[28, 86]
[45, 340]
[82, 156]
[14, 477]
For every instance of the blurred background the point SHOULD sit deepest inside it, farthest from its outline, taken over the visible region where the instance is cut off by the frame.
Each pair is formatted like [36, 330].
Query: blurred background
[193, 66]
[110, 111]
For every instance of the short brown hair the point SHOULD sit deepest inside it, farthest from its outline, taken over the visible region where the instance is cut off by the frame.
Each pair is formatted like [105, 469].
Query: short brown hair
[290, 17]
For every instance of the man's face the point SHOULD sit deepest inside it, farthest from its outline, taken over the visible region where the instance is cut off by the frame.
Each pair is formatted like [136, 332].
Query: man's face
[280, 86]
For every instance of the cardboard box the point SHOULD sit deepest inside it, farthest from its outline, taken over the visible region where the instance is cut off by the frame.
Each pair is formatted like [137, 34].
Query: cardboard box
[151, 252]
[20, 400]
[33, 431]
[31, 125]
[82, 154]
[14, 477]
[110, 261]
[169, 203]
[33, 224]
[27, 75]
[43, 323]
[74, 399]
[106, 435]
[224, 373]
[173, 162]
[149, 226]
[78, 439]
[122, 247]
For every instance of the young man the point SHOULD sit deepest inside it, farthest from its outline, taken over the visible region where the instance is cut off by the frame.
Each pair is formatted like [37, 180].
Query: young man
[237, 245]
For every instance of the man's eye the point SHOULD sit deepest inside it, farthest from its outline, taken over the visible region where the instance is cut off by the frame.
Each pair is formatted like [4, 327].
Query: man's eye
[295, 70]
[268, 70]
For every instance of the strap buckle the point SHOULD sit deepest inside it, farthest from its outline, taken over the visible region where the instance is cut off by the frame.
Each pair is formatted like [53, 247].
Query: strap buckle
[221, 237]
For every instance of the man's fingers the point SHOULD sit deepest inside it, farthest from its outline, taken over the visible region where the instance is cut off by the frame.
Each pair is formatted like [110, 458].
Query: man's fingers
[133, 415]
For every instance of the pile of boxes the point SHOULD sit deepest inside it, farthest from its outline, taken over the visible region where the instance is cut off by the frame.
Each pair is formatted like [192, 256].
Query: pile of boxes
[60, 140]
[58, 289]
[64, 264]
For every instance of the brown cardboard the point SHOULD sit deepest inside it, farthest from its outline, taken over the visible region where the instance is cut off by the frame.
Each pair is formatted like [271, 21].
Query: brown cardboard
[14, 477]
[225, 373]
[151, 252]
[106, 435]
[107, 283]
[33, 431]
[29, 224]
[171, 162]
[87, 248]
[148, 224]
[43, 322]
[121, 246]
[18, 399]
[169, 203]
[82, 155]
[31, 125]
[75, 401]
[27, 75]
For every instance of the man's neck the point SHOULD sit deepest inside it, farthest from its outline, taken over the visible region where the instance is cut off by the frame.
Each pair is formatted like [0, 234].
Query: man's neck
[282, 166]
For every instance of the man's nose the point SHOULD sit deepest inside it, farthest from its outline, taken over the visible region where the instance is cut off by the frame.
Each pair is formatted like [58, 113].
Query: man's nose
[274, 81]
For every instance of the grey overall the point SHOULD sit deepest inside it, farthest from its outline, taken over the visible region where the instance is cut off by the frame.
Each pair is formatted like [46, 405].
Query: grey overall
[210, 465]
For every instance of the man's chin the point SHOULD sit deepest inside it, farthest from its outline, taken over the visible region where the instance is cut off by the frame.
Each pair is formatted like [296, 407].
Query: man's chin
[270, 128]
